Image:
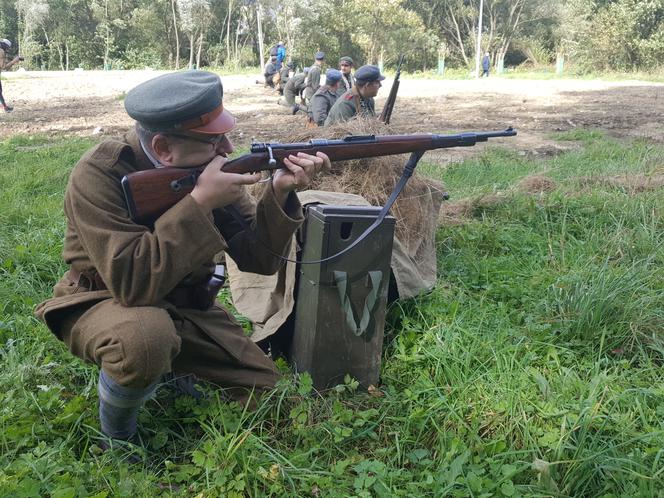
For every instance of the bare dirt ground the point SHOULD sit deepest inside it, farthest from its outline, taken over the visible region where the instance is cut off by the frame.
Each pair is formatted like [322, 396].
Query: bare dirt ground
[75, 103]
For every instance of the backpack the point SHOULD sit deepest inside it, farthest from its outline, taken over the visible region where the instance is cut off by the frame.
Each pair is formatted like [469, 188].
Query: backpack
[273, 51]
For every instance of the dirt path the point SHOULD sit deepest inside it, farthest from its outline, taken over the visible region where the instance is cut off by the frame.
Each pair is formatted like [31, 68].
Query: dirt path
[76, 103]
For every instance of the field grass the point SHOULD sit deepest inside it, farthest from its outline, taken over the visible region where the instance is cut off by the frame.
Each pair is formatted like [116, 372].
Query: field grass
[534, 368]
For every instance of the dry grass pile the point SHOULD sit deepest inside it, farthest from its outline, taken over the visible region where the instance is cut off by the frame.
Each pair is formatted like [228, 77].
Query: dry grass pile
[459, 212]
[416, 209]
[537, 184]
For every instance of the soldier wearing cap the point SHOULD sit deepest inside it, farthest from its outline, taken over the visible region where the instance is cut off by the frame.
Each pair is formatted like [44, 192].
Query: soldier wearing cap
[130, 301]
[359, 100]
[5, 45]
[325, 97]
[294, 87]
[345, 66]
[313, 78]
[284, 75]
[270, 71]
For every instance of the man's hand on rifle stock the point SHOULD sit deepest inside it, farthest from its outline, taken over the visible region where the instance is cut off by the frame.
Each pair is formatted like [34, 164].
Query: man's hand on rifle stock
[216, 189]
[300, 170]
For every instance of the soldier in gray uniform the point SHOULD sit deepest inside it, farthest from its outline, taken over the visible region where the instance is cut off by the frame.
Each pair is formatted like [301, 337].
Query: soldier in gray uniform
[359, 100]
[345, 66]
[313, 79]
[293, 87]
[284, 75]
[270, 71]
[325, 97]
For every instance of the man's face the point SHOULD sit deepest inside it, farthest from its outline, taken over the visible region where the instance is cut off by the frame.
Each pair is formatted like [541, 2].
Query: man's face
[196, 149]
[371, 89]
[345, 67]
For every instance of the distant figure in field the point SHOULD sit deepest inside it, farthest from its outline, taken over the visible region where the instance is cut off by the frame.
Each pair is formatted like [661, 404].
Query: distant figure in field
[313, 78]
[270, 71]
[293, 87]
[486, 62]
[281, 54]
[284, 75]
[5, 45]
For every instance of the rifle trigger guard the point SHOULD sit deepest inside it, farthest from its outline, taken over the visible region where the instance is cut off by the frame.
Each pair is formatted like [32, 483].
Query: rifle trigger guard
[272, 161]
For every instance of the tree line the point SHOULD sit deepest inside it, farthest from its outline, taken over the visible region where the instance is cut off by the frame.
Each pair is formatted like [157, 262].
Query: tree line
[173, 34]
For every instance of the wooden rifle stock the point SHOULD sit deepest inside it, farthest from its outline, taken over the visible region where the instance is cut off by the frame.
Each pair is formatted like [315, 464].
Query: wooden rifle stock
[150, 193]
[386, 114]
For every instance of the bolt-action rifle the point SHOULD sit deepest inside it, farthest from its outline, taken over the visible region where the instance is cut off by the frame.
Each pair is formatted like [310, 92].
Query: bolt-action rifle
[150, 193]
[386, 114]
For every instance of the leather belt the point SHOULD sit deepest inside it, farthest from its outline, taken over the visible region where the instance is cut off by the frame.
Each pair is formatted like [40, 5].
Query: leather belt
[89, 280]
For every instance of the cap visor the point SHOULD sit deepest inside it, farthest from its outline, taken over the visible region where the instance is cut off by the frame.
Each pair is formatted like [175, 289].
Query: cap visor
[223, 123]
[381, 78]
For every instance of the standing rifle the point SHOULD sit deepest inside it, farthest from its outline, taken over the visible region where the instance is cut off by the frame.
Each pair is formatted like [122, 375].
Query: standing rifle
[150, 193]
[386, 114]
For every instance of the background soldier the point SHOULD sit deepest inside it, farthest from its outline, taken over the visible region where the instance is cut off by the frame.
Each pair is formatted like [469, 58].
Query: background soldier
[4, 65]
[270, 71]
[284, 76]
[293, 88]
[131, 299]
[281, 54]
[313, 79]
[359, 100]
[345, 66]
[325, 97]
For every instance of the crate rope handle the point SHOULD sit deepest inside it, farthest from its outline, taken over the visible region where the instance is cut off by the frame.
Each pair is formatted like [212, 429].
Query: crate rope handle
[341, 279]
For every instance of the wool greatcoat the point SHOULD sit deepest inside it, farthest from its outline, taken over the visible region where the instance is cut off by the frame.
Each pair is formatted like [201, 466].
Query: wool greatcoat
[321, 103]
[348, 105]
[120, 314]
[313, 82]
[293, 88]
[284, 76]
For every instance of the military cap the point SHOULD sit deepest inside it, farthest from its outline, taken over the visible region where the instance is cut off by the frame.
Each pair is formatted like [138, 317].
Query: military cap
[189, 100]
[319, 56]
[368, 73]
[332, 76]
[290, 65]
[346, 60]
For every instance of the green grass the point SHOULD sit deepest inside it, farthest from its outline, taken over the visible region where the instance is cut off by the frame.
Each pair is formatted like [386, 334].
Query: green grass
[533, 368]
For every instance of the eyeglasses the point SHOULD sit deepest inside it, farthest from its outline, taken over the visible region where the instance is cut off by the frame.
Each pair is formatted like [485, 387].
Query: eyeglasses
[213, 140]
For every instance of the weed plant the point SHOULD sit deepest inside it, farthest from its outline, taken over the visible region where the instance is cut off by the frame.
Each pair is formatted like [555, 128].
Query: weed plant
[533, 368]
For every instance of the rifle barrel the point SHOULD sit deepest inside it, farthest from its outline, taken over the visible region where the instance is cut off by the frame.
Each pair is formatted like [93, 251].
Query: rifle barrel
[150, 193]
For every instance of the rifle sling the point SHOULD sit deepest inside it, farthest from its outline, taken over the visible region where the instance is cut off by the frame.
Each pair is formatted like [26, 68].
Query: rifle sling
[405, 176]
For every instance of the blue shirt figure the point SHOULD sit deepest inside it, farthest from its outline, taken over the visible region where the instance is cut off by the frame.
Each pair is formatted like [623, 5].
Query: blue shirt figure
[485, 64]
[281, 54]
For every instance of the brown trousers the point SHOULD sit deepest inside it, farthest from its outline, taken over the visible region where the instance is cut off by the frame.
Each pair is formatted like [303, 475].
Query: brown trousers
[136, 345]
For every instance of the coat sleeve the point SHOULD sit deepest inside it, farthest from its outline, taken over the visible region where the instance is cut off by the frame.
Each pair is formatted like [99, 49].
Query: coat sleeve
[342, 110]
[267, 231]
[138, 265]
